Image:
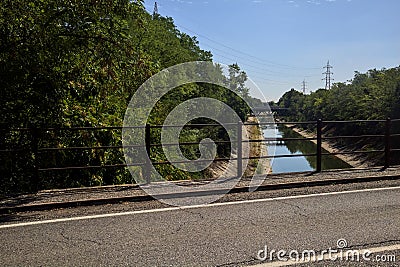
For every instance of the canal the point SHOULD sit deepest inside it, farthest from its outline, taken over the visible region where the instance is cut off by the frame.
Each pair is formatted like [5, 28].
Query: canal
[298, 164]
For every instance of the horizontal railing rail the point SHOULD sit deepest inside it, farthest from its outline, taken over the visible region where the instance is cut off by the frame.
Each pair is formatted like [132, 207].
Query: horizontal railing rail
[36, 137]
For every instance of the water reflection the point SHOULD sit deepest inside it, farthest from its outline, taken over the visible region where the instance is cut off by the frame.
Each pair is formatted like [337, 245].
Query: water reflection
[298, 164]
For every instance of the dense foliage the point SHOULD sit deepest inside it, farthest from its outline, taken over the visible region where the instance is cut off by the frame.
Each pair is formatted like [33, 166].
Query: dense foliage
[374, 95]
[77, 63]
[369, 96]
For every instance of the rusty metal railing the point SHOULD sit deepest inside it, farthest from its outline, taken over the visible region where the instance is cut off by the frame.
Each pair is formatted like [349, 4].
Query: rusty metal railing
[39, 152]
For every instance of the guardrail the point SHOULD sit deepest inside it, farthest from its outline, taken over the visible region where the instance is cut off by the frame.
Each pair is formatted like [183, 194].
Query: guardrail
[38, 152]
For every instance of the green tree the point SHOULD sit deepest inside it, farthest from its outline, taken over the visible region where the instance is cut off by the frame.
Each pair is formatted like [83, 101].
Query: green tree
[368, 96]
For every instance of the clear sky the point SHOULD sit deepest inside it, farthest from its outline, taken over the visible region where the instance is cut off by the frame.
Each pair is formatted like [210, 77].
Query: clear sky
[280, 43]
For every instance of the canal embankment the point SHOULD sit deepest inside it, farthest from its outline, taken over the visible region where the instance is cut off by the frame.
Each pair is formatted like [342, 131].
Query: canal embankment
[251, 131]
[257, 149]
[354, 160]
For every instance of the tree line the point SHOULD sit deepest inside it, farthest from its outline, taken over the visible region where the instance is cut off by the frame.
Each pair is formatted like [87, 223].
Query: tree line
[374, 95]
[77, 63]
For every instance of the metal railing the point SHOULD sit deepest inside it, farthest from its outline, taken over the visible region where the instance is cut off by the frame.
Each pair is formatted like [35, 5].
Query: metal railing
[38, 152]
[387, 136]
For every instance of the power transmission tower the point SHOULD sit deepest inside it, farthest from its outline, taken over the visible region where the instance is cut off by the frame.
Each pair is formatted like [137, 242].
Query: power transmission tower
[155, 11]
[304, 86]
[328, 76]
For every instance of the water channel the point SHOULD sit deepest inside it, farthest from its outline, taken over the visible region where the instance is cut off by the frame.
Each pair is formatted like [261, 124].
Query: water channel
[298, 164]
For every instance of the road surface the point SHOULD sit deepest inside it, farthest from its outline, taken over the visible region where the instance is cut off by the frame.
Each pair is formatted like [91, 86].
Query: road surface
[220, 234]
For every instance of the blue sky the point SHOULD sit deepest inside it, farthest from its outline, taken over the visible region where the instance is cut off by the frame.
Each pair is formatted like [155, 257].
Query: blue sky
[280, 43]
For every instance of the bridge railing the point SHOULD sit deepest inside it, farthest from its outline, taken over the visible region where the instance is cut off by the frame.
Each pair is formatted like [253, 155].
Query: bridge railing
[319, 137]
[40, 154]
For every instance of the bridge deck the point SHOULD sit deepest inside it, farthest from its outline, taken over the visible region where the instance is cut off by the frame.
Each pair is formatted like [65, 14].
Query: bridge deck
[113, 193]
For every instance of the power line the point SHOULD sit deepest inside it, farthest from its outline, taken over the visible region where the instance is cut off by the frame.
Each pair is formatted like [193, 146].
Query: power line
[328, 75]
[260, 70]
[249, 57]
[242, 56]
[260, 61]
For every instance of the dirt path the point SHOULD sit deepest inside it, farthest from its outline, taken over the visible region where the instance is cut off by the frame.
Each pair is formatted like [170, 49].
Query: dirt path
[256, 149]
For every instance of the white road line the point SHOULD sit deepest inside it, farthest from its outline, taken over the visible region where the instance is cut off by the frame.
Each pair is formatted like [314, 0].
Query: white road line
[326, 257]
[194, 207]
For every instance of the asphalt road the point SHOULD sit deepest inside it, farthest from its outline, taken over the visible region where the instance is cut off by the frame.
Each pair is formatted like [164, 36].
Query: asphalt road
[221, 234]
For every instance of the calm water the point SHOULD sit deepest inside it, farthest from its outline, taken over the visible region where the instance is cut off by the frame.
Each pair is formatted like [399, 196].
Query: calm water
[298, 164]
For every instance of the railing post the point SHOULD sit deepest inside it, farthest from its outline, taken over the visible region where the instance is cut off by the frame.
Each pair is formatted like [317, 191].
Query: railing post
[147, 167]
[319, 146]
[35, 152]
[388, 126]
[239, 149]
[2, 136]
